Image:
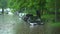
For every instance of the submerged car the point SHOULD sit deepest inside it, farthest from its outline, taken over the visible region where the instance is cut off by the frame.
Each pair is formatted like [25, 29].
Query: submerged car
[29, 18]
[22, 15]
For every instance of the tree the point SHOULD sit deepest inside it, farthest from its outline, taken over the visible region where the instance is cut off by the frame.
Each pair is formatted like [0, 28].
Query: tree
[3, 4]
[53, 6]
[35, 4]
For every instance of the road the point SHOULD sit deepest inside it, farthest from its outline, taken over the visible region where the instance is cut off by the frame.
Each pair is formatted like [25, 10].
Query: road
[12, 24]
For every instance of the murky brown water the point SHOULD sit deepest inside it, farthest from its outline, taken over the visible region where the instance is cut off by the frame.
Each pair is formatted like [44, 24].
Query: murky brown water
[14, 25]
[26, 29]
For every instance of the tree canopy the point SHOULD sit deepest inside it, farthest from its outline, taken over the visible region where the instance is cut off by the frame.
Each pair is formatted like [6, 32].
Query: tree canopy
[26, 3]
[3, 3]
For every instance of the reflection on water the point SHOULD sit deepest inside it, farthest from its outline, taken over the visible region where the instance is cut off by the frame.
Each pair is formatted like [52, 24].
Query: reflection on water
[10, 13]
[32, 25]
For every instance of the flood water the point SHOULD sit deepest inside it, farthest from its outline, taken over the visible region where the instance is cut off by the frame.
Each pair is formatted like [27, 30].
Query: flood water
[12, 24]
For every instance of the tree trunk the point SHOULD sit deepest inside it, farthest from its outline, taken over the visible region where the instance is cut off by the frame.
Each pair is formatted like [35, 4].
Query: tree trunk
[56, 10]
[2, 10]
[38, 13]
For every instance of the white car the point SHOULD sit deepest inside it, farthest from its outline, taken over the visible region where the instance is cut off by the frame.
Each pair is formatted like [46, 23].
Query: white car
[21, 14]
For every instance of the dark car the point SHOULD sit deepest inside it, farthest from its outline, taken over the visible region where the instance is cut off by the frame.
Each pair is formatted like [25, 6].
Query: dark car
[36, 20]
[29, 18]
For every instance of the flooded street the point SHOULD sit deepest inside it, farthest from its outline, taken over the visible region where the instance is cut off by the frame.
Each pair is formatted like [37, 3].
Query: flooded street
[29, 16]
[12, 24]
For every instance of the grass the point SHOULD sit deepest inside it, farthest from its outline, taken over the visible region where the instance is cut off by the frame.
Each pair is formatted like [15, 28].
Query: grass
[55, 24]
[51, 27]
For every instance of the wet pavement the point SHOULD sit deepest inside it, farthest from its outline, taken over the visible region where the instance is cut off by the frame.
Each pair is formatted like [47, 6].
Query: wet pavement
[12, 24]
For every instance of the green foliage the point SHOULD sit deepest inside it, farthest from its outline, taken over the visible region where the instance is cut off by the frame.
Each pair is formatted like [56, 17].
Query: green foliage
[16, 4]
[52, 4]
[48, 18]
[19, 4]
[26, 3]
[52, 24]
[3, 3]
[30, 11]
[56, 24]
